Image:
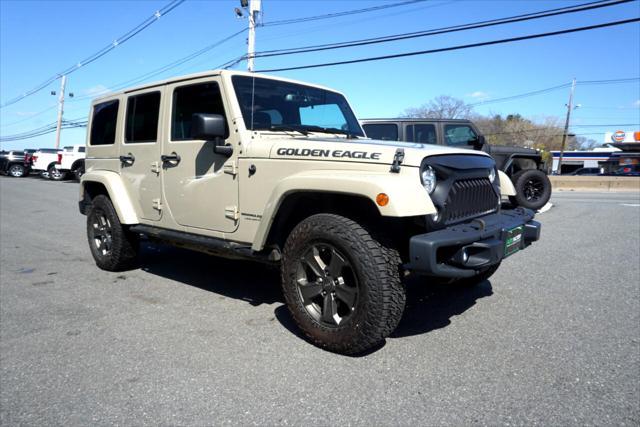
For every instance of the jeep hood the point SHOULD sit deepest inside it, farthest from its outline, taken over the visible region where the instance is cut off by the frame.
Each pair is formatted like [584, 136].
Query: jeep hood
[358, 150]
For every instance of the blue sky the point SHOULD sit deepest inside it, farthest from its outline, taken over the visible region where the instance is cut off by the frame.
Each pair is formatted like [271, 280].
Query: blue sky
[40, 38]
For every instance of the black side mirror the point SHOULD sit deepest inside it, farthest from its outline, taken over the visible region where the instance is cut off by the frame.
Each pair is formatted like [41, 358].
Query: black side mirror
[211, 127]
[478, 142]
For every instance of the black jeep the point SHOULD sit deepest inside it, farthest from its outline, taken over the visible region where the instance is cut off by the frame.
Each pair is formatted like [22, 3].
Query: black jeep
[523, 165]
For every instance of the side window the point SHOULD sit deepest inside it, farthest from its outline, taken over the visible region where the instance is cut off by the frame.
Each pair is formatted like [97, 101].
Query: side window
[204, 98]
[386, 132]
[142, 118]
[458, 135]
[422, 133]
[81, 149]
[103, 123]
[323, 115]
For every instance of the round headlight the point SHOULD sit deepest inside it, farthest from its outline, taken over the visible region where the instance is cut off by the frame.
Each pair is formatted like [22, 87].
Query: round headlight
[428, 176]
[492, 175]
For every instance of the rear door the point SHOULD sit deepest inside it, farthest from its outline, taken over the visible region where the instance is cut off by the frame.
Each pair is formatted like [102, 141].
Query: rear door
[140, 165]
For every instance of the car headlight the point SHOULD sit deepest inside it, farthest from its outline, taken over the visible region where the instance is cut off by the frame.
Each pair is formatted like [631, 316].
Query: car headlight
[492, 175]
[428, 176]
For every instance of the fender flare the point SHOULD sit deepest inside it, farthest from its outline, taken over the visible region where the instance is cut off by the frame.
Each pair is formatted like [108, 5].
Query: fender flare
[506, 186]
[401, 188]
[116, 191]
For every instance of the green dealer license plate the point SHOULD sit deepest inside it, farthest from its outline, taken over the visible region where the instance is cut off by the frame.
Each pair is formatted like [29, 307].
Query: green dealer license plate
[513, 240]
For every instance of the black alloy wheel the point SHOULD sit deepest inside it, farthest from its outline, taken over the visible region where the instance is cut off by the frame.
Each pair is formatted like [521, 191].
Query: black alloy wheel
[327, 285]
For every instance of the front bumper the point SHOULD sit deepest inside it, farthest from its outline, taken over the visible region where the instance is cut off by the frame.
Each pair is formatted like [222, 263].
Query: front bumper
[462, 250]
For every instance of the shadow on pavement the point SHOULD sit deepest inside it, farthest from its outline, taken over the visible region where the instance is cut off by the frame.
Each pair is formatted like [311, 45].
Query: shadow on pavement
[248, 281]
[429, 306]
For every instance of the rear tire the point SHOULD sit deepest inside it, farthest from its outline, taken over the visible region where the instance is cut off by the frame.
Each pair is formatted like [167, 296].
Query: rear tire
[533, 189]
[341, 285]
[77, 174]
[16, 171]
[56, 174]
[113, 246]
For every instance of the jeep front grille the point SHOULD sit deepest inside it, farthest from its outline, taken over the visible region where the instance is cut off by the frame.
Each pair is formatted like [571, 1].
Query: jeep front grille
[469, 198]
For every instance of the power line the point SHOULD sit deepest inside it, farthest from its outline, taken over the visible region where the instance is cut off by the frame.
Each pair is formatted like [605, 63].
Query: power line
[452, 48]
[554, 88]
[606, 125]
[338, 14]
[164, 68]
[443, 30]
[117, 42]
[44, 131]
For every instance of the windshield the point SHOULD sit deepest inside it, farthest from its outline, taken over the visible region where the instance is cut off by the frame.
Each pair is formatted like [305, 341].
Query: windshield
[276, 105]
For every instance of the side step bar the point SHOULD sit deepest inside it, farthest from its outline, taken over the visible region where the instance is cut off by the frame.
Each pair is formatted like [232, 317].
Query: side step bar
[210, 245]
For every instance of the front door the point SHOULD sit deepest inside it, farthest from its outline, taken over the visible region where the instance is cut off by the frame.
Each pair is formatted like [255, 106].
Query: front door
[200, 186]
[140, 165]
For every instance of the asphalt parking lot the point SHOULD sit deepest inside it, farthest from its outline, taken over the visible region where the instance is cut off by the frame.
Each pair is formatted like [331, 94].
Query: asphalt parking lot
[552, 339]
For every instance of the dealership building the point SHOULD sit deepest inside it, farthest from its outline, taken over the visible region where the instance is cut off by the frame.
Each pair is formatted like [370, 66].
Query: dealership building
[620, 149]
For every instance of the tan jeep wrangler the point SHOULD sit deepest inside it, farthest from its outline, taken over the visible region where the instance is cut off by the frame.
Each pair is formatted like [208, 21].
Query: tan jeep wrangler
[250, 166]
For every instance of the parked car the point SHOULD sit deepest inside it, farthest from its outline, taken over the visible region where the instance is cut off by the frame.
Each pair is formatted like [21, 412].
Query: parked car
[251, 166]
[627, 170]
[12, 164]
[524, 166]
[72, 161]
[586, 172]
[44, 160]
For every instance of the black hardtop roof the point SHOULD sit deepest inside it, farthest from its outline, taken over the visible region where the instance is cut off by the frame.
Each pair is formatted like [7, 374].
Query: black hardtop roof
[416, 119]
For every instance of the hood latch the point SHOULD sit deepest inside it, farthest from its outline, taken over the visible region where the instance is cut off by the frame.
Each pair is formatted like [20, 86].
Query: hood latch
[398, 158]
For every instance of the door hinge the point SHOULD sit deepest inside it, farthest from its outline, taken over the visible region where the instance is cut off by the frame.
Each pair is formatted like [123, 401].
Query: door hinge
[157, 204]
[231, 168]
[232, 212]
[155, 167]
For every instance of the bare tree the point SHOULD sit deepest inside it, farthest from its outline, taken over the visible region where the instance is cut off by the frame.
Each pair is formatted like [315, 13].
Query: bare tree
[441, 107]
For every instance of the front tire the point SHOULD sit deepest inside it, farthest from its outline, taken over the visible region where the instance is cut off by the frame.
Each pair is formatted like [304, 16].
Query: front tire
[341, 285]
[114, 247]
[533, 189]
[16, 171]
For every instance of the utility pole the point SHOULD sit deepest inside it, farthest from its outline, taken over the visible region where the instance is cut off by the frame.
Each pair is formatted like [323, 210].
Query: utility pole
[566, 126]
[63, 82]
[254, 11]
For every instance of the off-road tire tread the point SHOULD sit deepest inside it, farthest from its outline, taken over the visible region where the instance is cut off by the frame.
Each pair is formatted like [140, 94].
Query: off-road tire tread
[386, 294]
[125, 245]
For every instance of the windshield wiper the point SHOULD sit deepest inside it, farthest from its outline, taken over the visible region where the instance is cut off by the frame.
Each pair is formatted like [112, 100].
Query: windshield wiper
[350, 135]
[290, 128]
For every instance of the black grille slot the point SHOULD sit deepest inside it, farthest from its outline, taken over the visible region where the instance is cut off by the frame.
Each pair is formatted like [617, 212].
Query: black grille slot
[470, 198]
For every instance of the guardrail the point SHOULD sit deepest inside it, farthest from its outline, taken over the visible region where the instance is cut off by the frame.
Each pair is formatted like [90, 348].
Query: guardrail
[595, 183]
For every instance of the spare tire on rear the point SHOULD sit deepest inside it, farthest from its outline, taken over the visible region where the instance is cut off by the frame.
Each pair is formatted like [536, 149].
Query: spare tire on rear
[533, 189]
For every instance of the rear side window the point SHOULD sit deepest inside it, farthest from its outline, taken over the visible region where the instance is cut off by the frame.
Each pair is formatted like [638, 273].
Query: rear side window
[103, 123]
[142, 118]
[386, 132]
[455, 135]
[203, 98]
[422, 133]
[81, 149]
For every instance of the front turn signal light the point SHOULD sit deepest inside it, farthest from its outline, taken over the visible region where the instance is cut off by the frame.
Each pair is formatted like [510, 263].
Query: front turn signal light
[382, 199]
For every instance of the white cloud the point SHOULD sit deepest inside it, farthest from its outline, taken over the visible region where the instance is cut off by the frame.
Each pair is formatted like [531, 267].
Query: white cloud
[94, 90]
[637, 103]
[478, 95]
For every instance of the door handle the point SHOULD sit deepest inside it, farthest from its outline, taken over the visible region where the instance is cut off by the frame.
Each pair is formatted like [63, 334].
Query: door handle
[173, 158]
[127, 160]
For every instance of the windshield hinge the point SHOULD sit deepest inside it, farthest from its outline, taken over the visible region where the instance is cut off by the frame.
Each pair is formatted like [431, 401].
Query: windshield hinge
[398, 158]
[231, 168]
